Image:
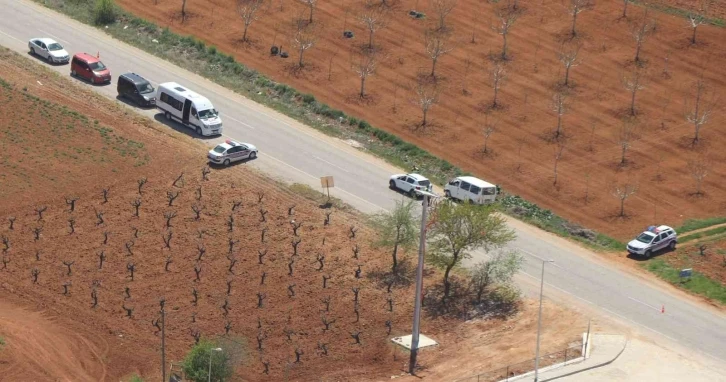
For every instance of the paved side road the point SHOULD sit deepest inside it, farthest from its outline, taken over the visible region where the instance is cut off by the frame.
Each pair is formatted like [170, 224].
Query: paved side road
[296, 153]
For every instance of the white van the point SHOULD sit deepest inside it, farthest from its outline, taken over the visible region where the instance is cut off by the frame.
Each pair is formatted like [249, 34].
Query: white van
[190, 108]
[469, 188]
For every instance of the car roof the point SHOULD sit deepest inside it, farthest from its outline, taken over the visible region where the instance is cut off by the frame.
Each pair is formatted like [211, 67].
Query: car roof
[45, 40]
[662, 228]
[418, 177]
[86, 57]
[135, 78]
[200, 102]
[475, 181]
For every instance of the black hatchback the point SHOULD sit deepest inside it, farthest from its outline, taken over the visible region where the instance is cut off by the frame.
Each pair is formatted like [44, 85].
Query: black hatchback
[137, 89]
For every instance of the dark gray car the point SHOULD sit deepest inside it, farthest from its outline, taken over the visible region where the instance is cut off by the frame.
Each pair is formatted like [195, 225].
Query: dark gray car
[137, 89]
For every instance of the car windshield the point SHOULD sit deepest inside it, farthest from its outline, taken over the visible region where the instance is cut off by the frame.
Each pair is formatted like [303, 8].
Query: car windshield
[97, 66]
[55, 46]
[645, 237]
[146, 88]
[424, 183]
[219, 149]
[205, 114]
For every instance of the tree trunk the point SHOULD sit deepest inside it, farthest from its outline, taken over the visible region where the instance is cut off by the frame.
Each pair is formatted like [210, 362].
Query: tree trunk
[433, 67]
[394, 269]
[574, 21]
[425, 112]
[637, 51]
[622, 154]
[556, 162]
[244, 35]
[504, 47]
[311, 13]
[567, 75]
[184, 10]
[362, 86]
[447, 284]
[496, 93]
[370, 40]
[625, 8]
[300, 63]
[693, 38]
[632, 100]
[559, 123]
[622, 206]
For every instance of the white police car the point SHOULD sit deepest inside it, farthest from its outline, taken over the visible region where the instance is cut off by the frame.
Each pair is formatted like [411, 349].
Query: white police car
[231, 151]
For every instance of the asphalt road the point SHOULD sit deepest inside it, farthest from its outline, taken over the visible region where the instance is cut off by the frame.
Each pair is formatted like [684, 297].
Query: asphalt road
[295, 153]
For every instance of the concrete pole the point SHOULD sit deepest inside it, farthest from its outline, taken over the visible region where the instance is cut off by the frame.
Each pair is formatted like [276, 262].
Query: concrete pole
[419, 289]
[539, 321]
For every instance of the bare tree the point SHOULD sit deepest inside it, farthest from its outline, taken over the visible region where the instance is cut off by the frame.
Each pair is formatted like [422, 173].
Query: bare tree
[558, 155]
[568, 57]
[633, 82]
[427, 95]
[575, 8]
[365, 65]
[700, 108]
[625, 8]
[640, 32]
[442, 8]
[248, 11]
[184, 10]
[698, 168]
[487, 131]
[373, 17]
[622, 191]
[497, 75]
[437, 44]
[506, 17]
[311, 4]
[701, 17]
[559, 106]
[625, 136]
[305, 36]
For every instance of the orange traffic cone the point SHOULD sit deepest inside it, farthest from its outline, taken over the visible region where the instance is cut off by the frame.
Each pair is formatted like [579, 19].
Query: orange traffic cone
[662, 309]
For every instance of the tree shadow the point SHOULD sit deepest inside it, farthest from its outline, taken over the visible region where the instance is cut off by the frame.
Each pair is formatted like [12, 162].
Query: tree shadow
[404, 277]
[463, 303]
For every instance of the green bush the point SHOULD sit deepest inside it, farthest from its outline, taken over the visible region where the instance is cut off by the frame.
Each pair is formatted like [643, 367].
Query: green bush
[196, 363]
[105, 12]
[212, 51]
[352, 121]
[363, 125]
[309, 99]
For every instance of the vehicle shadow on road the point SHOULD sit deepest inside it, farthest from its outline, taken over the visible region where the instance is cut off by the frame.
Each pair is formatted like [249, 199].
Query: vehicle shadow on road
[133, 104]
[652, 256]
[179, 127]
[233, 164]
[41, 59]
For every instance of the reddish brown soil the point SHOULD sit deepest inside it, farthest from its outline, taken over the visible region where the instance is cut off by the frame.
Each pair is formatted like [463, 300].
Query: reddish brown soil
[598, 97]
[50, 335]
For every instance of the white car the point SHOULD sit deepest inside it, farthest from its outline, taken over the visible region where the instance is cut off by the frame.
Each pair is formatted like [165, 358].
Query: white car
[48, 49]
[652, 240]
[410, 184]
[231, 151]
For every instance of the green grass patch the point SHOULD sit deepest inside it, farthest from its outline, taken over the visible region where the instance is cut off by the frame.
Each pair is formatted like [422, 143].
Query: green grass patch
[698, 284]
[191, 54]
[700, 235]
[696, 224]
[679, 12]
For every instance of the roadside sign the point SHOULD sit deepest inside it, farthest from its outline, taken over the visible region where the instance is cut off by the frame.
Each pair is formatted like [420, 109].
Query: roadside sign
[685, 274]
[327, 182]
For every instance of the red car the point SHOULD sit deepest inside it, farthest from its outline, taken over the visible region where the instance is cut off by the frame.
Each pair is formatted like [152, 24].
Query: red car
[85, 66]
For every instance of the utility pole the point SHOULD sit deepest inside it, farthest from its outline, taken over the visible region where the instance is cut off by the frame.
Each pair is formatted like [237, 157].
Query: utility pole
[419, 287]
[539, 321]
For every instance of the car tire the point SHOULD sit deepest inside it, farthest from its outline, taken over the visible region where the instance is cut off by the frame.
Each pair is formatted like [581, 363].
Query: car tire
[447, 194]
[647, 254]
[199, 131]
[167, 115]
[73, 73]
[32, 51]
[50, 59]
[672, 245]
[252, 155]
[412, 193]
[226, 162]
[392, 185]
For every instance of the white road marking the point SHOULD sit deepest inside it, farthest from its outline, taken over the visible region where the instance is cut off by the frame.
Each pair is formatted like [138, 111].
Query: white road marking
[641, 302]
[323, 160]
[12, 37]
[238, 121]
[59, 39]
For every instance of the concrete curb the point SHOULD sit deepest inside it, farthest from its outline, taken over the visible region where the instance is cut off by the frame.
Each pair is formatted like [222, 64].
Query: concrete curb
[625, 344]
